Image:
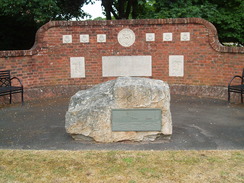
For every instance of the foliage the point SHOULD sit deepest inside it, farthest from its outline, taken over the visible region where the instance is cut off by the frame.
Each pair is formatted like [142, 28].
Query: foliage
[229, 20]
[22, 18]
[43, 10]
[227, 16]
[99, 18]
[17, 33]
[120, 9]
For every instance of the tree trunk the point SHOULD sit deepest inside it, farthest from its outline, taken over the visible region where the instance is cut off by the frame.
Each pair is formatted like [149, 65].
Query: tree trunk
[124, 8]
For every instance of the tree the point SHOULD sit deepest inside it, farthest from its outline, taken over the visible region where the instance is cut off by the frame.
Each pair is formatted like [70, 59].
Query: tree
[227, 16]
[229, 20]
[120, 9]
[20, 19]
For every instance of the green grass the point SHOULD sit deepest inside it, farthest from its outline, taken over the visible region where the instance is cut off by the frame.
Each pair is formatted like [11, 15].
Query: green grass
[121, 166]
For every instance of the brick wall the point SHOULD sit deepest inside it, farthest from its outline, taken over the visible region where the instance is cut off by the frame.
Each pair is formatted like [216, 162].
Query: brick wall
[45, 69]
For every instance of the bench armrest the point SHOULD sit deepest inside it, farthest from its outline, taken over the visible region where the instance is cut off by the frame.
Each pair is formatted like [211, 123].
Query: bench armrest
[17, 79]
[234, 78]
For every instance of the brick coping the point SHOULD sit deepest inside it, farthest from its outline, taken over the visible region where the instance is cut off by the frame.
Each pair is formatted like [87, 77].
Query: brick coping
[212, 36]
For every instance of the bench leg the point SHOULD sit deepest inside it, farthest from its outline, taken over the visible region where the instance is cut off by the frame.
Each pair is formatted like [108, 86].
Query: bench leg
[228, 96]
[241, 97]
[22, 97]
[10, 98]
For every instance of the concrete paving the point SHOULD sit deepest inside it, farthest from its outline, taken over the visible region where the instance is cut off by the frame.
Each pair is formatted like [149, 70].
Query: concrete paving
[198, 124]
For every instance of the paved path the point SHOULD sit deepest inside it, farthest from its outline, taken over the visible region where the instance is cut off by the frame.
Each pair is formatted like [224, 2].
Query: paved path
[198, 123]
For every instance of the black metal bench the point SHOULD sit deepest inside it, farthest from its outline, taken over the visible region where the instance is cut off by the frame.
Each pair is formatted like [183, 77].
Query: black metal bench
[6, 87]
[236, 88]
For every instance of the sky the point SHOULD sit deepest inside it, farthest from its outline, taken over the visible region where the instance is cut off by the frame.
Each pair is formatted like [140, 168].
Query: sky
[94, 9]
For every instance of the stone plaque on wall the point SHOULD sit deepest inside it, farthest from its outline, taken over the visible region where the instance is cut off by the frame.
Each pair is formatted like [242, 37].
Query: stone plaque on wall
[167, 36]
[101, 38]
[77, 67]
[67, 38]
[126, 66]
[176, 65]
[185, 36]
[84, 38]
[126, 37]
[136, 120]
[150, 37]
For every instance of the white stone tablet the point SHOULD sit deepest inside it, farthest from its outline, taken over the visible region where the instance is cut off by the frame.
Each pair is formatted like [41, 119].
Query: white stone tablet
[185, 36]
[167, 36]
[126, 66]
[67, 38]
[126, 37]
[101, 38]
[84, 38]
[176, 65]
[150, 37]
[77, 67]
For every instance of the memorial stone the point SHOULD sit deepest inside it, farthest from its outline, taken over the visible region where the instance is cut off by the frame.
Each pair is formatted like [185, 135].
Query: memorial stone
[128, 108]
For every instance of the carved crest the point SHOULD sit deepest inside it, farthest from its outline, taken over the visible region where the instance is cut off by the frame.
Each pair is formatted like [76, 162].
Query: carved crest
[126, 37]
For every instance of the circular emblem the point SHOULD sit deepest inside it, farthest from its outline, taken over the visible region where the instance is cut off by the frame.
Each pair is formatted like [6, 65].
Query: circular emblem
[126, 37]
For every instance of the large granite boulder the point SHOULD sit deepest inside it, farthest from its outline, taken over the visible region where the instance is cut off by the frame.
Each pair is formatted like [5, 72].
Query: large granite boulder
[89, 113]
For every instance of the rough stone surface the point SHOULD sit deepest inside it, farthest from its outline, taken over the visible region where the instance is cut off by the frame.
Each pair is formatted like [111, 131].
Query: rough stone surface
[89, 112]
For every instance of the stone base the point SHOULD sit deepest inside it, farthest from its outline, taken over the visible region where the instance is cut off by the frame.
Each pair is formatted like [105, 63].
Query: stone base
[150, 138]
[83, 138]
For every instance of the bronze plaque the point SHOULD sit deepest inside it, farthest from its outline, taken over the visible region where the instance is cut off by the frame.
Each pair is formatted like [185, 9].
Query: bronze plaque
[136, 119]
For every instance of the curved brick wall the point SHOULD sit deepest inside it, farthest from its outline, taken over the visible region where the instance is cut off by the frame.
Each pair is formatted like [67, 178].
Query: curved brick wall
[207, 66]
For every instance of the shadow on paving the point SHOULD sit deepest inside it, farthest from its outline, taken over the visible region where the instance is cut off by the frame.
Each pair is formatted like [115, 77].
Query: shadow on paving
[198, 123]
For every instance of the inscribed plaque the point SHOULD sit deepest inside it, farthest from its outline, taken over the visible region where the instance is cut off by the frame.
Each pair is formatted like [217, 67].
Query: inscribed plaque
[176, 65]
[84, 38]
[77, 67]
[185, 36]
[136, 119]
[126, 66]
[101, 38]
[67, 38]
[150, 37]
[167, 36]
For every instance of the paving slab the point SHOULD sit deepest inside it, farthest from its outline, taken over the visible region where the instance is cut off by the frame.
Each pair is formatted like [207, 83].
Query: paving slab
[198, 124]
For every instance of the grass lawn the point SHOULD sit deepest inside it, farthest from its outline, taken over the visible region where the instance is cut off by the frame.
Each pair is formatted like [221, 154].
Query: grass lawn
[121, 166]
